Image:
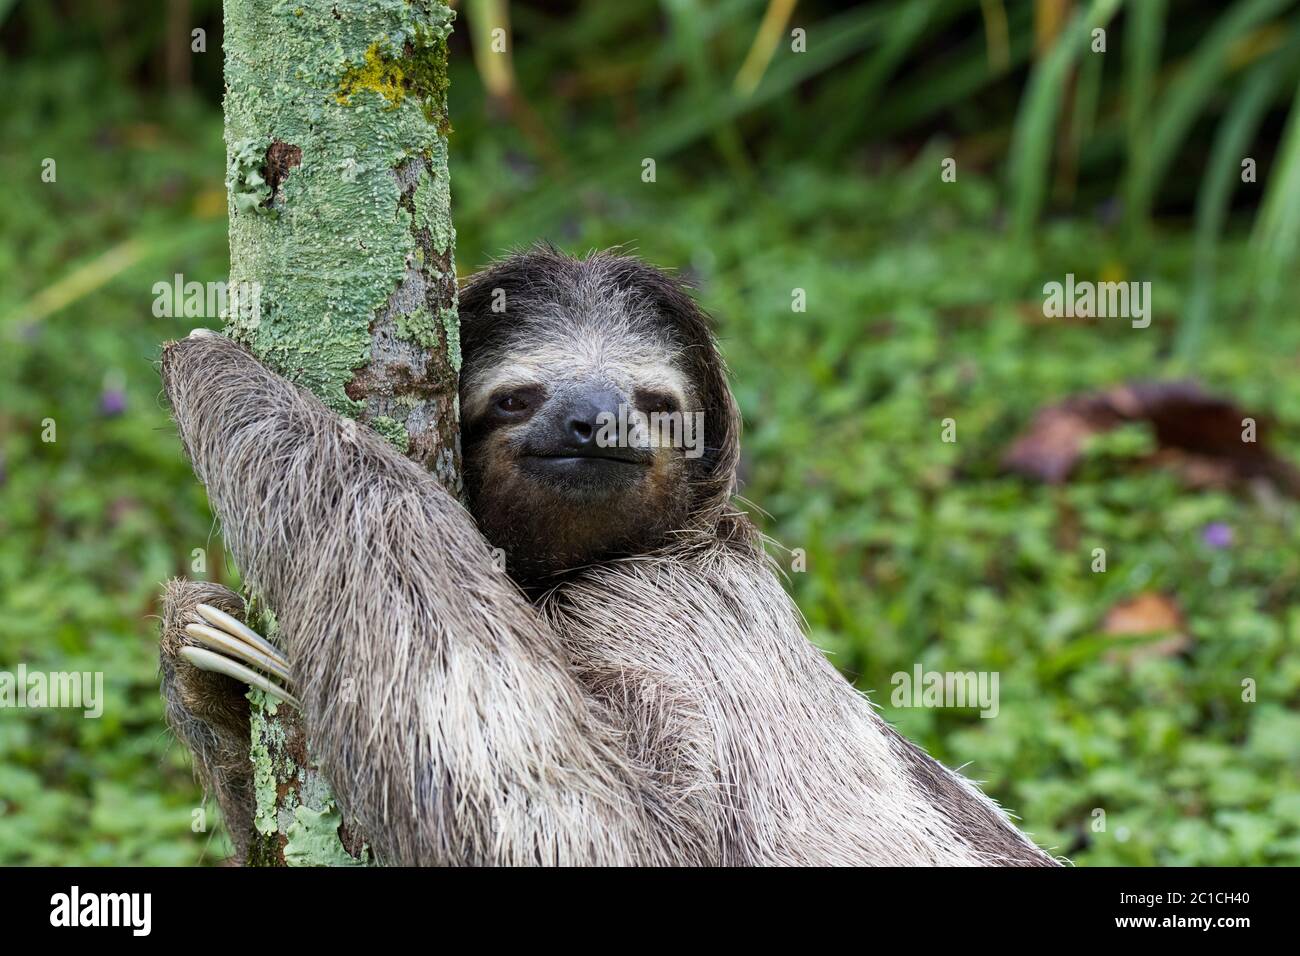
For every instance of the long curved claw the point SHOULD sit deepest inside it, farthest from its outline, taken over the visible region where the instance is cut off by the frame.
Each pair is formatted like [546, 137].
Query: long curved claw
[234, 647]
[232, 625]
[206, 660]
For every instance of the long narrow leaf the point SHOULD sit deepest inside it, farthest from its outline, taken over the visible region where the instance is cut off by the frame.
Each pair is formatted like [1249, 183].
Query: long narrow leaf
[1196, 83]
[1222, 176]
[1142, 44]
[1031, 144]
[1277, 234]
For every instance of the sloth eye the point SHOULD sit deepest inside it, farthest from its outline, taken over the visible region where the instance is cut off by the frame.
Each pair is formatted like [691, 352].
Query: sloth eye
[651, 402]
[515, 403]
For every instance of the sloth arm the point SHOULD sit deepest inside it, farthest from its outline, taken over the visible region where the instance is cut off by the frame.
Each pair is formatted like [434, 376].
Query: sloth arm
[439, 704]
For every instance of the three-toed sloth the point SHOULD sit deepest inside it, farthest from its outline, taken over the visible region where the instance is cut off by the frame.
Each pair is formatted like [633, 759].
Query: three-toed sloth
[634, 688]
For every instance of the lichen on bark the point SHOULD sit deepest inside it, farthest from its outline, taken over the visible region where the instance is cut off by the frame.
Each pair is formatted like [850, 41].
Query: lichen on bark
[360, 227]
[340, 214]
[296, 822]
[418, 67]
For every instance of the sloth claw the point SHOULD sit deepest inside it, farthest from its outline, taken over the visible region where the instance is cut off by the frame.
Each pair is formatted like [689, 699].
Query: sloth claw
[241, 631]
[229, 647]
[224, 643]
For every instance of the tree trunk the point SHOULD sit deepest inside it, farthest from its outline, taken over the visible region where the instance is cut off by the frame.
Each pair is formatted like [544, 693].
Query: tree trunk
[342, 278]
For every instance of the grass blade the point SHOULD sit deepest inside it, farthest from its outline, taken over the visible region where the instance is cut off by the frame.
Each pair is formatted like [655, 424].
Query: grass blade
[1142, 46]
[1031, 144]
[1196, 83]
[1223, 173]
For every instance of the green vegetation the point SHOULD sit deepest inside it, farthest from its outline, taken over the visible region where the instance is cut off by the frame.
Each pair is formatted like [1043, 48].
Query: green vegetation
[924, 302]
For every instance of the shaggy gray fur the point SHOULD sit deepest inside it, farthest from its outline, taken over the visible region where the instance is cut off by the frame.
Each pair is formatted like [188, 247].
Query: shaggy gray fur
[660, 709]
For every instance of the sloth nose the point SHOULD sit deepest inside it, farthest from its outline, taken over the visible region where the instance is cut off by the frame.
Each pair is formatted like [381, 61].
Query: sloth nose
[586, 413]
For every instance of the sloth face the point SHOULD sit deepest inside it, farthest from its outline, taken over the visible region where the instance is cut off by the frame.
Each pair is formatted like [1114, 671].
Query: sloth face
[596, 420]
[576, 446]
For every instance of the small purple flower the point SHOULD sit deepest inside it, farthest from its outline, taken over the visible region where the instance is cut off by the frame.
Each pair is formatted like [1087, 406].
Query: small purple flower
[1217, 535]
[112, 402]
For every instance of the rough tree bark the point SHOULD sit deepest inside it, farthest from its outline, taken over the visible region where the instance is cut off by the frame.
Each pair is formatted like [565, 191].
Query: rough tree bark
[341, 248]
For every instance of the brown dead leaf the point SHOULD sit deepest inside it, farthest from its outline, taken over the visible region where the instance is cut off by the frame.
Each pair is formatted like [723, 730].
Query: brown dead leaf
[1051, 447]
[1149, 613]
[1199, 434]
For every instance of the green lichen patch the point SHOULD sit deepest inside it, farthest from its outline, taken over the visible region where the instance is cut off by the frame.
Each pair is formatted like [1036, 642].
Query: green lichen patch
[451, 325]
[432, 195]
[419, 327]
[249, 190]
[393, 430]
[417, 68]
[268, 768]
[314, 840]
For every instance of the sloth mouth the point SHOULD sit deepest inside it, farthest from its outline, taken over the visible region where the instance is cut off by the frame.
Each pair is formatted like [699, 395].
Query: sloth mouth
[593, 455]
[585, 472]
[611, 456]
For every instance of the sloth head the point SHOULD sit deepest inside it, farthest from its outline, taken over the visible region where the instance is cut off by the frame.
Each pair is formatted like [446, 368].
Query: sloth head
[596, 417]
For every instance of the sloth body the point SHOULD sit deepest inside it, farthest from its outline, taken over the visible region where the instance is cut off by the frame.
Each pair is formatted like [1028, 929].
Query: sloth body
[636, 690]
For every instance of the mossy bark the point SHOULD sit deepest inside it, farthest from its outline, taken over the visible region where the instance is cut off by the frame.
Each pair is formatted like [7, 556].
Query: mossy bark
[341, 243]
